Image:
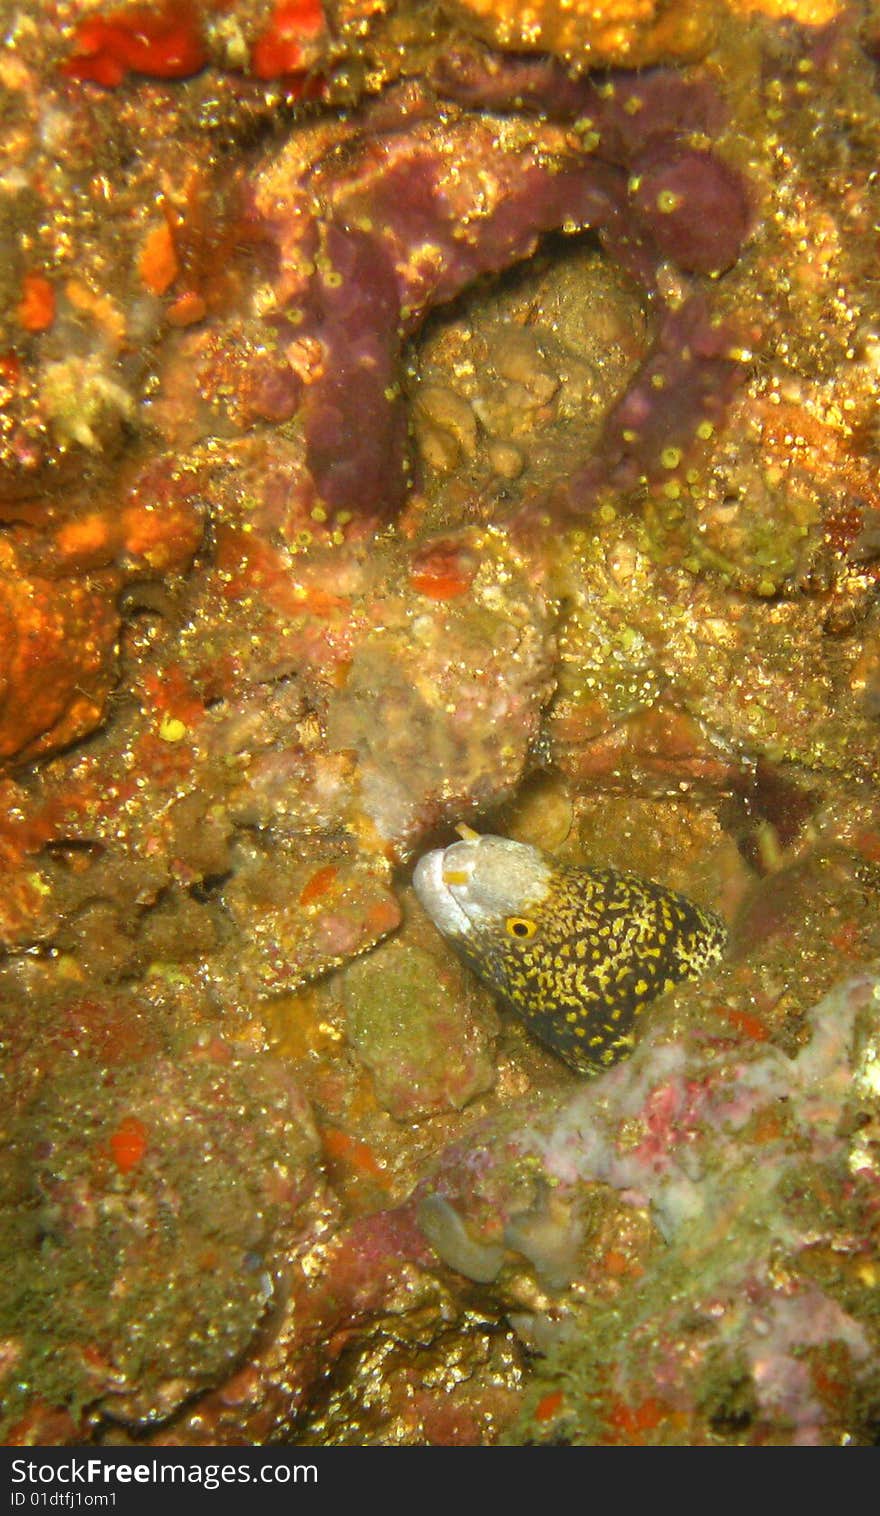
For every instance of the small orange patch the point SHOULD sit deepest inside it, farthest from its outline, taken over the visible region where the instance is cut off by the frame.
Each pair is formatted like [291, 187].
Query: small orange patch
[350, 1151]
[85, 537]
[633, 1422]
[36, 309]
[319, 883]
[743, 1022]
[323, 602]
[158, 265]
[749, 1025]
[128, 1144]
[10, 370]
[443, 571]
[170, 693]
[162, 537]
[443, 587]
[549, 1405]
[283, 47]
[161, 43]
[383, 916]
[187, 309]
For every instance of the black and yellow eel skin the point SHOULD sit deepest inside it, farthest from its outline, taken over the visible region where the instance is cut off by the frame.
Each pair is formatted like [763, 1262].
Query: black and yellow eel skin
[577, 953]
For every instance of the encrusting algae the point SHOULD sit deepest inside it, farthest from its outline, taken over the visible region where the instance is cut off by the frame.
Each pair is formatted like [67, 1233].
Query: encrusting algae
[577, 953]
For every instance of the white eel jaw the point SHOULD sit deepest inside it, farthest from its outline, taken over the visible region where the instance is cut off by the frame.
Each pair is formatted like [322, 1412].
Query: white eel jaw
[437, 898]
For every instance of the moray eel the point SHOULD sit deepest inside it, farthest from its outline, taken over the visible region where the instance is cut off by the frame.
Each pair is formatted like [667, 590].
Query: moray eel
[577, 953]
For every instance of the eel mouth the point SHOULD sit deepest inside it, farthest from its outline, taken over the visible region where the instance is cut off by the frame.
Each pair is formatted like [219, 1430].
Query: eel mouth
[437, 878]
[474, 884]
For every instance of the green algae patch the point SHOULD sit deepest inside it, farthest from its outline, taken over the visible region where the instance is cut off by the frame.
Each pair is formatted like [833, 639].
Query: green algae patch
[145, 1213]
[420, 1029]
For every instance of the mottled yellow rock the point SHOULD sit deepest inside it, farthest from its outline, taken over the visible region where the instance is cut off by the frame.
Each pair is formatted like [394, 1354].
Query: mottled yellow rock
[590, 33]
[632, 33]
[807, 12]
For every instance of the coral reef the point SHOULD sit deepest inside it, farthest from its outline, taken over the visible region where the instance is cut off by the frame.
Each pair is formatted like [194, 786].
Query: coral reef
[458, 425]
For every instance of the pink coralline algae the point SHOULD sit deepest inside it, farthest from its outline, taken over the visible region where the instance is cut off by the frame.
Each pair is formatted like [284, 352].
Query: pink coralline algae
[713, 1141]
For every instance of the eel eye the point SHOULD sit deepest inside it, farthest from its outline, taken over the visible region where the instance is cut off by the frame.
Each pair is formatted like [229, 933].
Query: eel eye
[520, 926]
